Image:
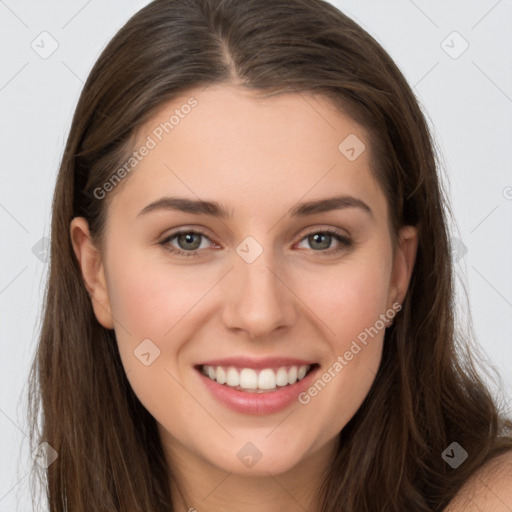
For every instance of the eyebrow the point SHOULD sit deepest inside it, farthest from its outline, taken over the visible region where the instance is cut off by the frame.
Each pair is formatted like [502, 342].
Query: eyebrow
[215, 209]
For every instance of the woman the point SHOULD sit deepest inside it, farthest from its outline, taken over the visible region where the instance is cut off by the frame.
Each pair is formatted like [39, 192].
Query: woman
[250, 297]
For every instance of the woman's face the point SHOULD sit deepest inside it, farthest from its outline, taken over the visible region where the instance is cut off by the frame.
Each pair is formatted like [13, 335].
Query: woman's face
[284, 270]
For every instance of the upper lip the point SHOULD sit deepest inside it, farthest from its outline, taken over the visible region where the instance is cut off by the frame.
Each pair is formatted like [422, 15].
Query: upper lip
[256, 364]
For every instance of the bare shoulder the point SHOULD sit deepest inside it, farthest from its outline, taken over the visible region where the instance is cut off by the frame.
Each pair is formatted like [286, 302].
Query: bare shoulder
[489, 489]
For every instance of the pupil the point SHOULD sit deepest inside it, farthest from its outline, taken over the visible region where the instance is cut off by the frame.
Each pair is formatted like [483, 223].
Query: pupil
[187, 238]
[318, 237]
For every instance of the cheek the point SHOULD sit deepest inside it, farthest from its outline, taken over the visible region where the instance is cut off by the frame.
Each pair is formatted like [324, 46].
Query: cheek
[150, 302]
[350, 297]
[149, 297]
[351, 305]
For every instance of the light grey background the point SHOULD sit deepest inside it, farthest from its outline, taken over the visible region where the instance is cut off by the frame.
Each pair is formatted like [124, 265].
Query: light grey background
[467, 97]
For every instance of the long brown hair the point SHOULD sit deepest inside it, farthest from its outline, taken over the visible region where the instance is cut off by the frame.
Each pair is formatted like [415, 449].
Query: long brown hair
[426, 394]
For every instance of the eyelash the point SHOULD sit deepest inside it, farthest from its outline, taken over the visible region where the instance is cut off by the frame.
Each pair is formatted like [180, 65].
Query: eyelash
[344, 242]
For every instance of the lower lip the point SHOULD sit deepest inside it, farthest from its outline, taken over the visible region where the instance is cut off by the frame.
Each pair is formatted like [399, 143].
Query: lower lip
[257, 403]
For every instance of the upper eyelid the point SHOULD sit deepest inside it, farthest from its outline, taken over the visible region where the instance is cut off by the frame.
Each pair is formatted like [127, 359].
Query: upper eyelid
[331, 230]
[180, 231]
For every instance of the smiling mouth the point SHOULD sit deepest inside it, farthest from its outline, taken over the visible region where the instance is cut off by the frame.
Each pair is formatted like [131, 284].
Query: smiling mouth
[263, 380]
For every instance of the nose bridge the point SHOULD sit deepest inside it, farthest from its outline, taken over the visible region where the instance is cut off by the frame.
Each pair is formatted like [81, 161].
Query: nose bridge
[256, 300]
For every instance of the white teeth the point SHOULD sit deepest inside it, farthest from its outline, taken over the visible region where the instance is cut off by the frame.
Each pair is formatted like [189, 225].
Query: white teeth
[233, 377]
[302, 372]
[221, 375]
[267, 379]
[292, 375]
[282, 377]
[250, 379]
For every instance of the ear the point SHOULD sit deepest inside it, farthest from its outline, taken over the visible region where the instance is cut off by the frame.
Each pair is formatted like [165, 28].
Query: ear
[90, 262]
[403, 264]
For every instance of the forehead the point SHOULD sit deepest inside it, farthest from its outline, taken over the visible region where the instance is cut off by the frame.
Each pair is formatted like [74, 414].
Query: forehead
[233, 145]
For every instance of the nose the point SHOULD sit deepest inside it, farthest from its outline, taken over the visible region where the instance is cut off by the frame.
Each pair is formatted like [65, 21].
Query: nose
[258, 300]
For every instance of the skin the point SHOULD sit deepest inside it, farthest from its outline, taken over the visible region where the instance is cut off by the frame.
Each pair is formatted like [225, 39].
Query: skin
[258, 157]
[489, 489]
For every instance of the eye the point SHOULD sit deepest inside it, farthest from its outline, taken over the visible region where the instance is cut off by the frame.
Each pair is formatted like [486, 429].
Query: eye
[188, 242]
[320, 241]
